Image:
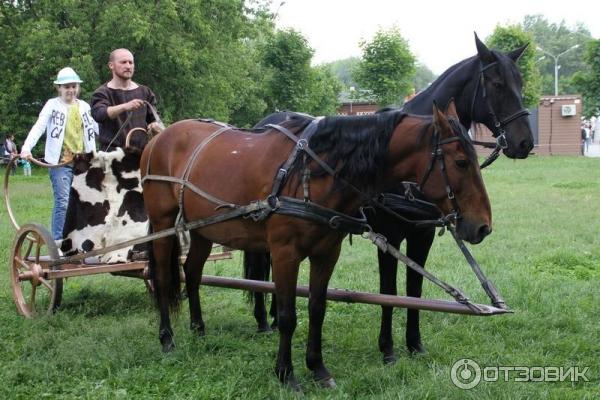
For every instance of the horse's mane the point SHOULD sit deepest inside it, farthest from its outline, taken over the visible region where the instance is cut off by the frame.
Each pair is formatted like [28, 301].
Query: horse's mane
[356, 146]
[463, 135]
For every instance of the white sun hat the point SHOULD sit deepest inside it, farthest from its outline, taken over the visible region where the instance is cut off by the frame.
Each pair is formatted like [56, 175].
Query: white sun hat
[67, 75]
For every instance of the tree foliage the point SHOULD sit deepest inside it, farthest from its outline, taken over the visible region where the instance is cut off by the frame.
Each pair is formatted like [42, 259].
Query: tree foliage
[202, 58]
[423, 77]
[507, 38]
[293, 84]
[556, 38]
[387, 67]
[588, 82]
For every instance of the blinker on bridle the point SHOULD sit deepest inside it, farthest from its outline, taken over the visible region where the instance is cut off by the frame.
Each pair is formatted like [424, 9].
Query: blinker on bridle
[499, 125]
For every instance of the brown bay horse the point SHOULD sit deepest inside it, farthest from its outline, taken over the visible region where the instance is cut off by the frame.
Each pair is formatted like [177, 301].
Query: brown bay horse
[230, 168]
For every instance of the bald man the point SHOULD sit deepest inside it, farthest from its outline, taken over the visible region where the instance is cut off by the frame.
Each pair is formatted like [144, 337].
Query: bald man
[117, 99]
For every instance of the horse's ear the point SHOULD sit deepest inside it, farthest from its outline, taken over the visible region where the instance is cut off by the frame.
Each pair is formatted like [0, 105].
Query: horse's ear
[451, 109]
[517, 53]
[440, 122]
[484, 53]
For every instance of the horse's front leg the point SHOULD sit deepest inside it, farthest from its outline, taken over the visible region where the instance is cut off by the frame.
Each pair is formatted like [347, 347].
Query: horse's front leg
[417, 248]
[286, 261]
[321, 268]
[256, 267]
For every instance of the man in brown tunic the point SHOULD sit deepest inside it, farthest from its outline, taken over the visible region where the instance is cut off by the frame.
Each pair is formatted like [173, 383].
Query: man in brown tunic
[119, 105]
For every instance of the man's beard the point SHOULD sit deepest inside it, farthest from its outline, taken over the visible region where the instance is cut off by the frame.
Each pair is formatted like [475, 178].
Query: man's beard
[124, 77]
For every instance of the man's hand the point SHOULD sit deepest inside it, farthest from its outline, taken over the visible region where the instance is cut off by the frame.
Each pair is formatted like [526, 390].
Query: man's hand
[155, 128]
[25, 155]
[133, 104]
[114, 111]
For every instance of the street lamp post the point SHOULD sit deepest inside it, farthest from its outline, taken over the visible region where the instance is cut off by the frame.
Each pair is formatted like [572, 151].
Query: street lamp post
[556, 66]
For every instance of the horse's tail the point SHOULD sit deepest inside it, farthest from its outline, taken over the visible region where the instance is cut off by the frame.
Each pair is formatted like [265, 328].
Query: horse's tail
[174, 283]
[257, 266]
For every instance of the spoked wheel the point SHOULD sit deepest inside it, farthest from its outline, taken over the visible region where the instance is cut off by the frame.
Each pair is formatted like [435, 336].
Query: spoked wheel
[33, 293]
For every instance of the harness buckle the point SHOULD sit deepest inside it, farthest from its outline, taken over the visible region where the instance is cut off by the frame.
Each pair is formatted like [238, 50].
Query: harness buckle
[408, 193]
[501, 140]
[281, 173]
[302, 144]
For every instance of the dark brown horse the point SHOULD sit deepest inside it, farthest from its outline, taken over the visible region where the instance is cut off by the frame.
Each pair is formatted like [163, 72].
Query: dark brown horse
[228, 168]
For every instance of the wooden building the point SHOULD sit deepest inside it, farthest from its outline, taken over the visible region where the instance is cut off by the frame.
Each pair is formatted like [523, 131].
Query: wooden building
[559, 125]
[555, 124]
[358, 108]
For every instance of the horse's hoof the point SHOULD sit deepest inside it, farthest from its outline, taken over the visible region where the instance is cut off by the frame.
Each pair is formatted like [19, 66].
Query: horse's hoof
[264, 328]
[168, 347]
[416, 349]
[389, 359]
[293, 384]
[198, 330]
[327, 383]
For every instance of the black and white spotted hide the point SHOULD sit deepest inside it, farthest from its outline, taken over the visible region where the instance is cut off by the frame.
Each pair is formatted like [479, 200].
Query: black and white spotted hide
[106, 206]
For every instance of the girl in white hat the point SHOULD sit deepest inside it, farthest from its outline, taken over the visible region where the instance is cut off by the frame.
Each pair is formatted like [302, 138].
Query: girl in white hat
[70, 129]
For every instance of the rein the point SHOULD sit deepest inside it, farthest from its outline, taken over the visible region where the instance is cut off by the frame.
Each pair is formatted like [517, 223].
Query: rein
[499, 125]
[129, 115]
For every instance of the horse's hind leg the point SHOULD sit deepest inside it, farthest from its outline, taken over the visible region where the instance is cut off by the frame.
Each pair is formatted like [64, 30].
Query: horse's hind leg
[200, 249]
[417, 248]
[164, 264]
[321, 268]
[256, 267]
[388, 268]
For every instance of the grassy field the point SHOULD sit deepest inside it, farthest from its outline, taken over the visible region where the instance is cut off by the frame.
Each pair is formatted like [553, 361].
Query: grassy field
[544, 256]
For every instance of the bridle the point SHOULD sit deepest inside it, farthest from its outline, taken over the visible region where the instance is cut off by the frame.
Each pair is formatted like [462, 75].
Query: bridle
[437, 155]
[498, 125]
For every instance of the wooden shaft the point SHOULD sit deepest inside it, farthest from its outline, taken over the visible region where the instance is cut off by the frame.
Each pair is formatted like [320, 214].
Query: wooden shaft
[357, 297]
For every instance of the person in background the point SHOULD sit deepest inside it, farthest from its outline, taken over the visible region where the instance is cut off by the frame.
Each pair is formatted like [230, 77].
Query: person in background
[121, 104]
[10, 150]
[70, 129]
[26, 167]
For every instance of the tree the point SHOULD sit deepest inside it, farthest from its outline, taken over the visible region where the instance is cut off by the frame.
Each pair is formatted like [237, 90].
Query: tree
[556, 38]
[343, 69]
[198, 56]
[588, 82]
[423, 77]
[292, 83]
[326, 88]
[507, 38]
[387, 67]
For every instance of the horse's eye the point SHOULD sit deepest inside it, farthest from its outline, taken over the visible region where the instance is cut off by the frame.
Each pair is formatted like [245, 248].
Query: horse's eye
[462, 163]
[497, 85]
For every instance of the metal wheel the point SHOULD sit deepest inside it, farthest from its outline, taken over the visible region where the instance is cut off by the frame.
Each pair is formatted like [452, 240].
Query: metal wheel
[33, 247]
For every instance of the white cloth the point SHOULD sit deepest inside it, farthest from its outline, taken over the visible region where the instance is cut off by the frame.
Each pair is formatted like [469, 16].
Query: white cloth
[53, 120]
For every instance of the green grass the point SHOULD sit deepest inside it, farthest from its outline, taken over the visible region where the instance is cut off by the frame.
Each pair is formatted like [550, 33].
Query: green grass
[543, 255]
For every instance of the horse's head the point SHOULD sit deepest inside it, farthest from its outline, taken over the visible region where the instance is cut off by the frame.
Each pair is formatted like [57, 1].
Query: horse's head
[450, 176]
[498, 102]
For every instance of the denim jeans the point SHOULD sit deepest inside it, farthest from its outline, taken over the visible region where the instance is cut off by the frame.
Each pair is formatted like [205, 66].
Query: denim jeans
[61, 179]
